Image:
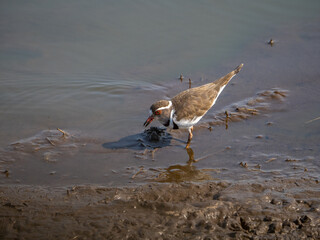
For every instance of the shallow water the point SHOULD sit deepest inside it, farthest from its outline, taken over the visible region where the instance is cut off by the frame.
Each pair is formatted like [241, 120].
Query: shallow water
[93, 70]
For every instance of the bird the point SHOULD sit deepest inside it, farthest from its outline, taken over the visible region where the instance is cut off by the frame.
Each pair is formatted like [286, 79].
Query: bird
[186, 109]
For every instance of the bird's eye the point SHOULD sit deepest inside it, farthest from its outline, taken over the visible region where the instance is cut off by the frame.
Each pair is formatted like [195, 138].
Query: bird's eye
[158, 112]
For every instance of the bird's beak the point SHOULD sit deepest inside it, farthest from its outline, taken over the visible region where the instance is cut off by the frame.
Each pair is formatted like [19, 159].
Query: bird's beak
[149, 120]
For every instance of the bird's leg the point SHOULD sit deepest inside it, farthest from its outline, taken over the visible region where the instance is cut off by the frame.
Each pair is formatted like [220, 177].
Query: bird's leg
[189, 137]
[190, 133]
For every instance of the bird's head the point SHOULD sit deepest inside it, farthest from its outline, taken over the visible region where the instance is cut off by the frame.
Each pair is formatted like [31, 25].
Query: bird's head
[160, 111]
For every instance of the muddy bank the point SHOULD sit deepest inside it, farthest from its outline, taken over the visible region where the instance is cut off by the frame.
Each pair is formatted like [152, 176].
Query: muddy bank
[279, 208]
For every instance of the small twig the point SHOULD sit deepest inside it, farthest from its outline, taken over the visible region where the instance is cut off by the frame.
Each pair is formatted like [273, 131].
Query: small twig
[280, 93]
[181, 77]
[227, 118]
[270, 160]
[52, 143]
[140, 170]
[154, 170]
[201, 158]
[63, 132]
[255, 170]
[315, 119]
[291, 160]
[153, 152]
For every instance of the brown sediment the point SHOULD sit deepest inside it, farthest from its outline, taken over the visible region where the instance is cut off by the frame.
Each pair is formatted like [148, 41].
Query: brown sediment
[258, 105]
[44, 140]
[47, 145]
[274, 209]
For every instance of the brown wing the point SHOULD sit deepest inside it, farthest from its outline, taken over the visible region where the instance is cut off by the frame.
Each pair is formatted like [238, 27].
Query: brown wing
[197, 101]
[194, 102]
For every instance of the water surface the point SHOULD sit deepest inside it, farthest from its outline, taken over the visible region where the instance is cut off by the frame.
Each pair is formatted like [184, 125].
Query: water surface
[93, 70]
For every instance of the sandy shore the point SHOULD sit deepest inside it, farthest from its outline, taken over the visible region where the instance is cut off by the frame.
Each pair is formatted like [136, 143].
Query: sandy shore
[275, 209]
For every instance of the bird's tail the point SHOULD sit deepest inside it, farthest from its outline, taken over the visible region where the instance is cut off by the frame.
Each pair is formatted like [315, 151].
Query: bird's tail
[237, 69]
[226, 79]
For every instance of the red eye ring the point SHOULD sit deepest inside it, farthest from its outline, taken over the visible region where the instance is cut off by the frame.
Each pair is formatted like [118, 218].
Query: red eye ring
[157, 112]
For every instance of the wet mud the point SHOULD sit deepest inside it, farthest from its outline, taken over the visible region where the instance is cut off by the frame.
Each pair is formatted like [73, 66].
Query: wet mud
[274, 209]
[47, 145]
[263, 103]
[151, 138]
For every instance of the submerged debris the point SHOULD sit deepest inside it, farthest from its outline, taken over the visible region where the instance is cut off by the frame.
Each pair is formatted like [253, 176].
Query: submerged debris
[242, 164]
[46, 139]
[271, 42]
[6, 173]
[291, 160]
[138, 172]
[145, 154]
[258, 105]
[50, 141]
[181, 77]
[312, 120]
[271, 159]
[65, 134]
[227, 118]
[47, 145]
[269, 123]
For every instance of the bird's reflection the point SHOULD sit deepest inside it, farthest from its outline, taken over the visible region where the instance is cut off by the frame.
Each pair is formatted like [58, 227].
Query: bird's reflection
[187, 172]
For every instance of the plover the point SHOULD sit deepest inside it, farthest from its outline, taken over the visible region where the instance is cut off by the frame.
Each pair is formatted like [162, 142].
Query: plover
[186, 108]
